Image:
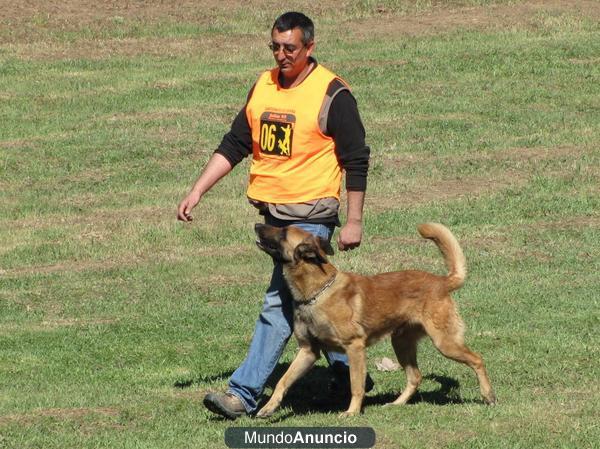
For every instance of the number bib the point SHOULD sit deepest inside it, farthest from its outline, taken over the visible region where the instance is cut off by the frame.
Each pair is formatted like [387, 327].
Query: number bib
[276, 133]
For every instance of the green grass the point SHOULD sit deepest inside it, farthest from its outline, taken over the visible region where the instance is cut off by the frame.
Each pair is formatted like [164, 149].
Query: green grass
[115, 319]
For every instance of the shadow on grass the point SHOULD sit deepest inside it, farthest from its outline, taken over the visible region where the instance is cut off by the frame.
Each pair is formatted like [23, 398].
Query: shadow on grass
[310, 394]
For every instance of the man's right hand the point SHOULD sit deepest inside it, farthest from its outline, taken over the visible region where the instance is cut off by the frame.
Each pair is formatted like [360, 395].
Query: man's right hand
[184, 211]
[217, 167]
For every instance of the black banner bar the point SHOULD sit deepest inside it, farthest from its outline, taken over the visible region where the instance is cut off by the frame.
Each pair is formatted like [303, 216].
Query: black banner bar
[299, 437]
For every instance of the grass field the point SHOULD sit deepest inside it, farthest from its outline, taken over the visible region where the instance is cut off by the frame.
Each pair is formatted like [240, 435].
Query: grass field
[115, 319]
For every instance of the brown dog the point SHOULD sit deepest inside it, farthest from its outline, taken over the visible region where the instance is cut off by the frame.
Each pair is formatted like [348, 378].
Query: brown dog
[348, 312]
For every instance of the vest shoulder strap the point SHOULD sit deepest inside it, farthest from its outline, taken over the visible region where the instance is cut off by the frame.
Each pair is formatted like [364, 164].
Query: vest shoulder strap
[335, 87]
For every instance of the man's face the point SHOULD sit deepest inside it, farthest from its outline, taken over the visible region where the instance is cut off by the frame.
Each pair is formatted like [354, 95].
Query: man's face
[290, 54]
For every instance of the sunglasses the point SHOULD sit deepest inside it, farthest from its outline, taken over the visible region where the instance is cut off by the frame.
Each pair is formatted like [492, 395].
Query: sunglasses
[288, 49]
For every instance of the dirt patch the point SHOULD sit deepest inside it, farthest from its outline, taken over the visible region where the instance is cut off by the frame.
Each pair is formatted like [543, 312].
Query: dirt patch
[127, 260]
[79, 13]
[518, 165]
[71, 14]
[533, 154]
[570, 224]
[443, 18]
[51, 29]
[17, 144]
[40, 30]
[444, 190]
[75, 322]
[517, 154]
[96, 49]
[590, 61]
[144, 214]
[51, 325]
[68, 266]
[59, 413]
[500, 241]
[77, 412]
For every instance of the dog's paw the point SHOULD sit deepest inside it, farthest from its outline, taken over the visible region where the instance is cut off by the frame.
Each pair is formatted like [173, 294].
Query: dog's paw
[347, 414]
[490, 399]
[266, 412]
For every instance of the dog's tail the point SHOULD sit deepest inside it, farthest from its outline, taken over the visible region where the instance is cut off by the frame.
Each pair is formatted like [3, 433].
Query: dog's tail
[453, 255]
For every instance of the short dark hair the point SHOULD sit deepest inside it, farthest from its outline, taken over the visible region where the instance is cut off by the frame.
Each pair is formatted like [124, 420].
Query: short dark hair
[290, 20]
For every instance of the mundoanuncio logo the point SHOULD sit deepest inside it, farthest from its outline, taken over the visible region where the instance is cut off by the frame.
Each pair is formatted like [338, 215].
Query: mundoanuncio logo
[300, 437]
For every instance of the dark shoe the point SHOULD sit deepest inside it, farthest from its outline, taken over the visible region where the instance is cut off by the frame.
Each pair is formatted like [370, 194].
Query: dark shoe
[224, 404]
[339, 385]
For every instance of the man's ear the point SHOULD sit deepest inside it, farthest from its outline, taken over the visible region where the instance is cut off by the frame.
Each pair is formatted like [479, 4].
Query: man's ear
[310, 47]
[326, 246]
[309, 251]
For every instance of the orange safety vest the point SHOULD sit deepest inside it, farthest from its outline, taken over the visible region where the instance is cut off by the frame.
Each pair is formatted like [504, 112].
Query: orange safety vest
[293, 160]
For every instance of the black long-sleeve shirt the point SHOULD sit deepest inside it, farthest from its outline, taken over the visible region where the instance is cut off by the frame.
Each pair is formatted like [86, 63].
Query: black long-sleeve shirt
[343, 124]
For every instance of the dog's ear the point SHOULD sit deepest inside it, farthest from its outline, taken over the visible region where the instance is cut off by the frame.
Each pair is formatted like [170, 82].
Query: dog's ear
[309, 250]
[326, 246]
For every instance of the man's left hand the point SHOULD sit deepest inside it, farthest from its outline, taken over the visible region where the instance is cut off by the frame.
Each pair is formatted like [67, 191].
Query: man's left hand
[350, 236]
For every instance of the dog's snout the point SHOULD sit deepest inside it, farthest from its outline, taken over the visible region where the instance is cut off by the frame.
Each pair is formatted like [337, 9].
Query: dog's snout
[262, 230]
[265, 231]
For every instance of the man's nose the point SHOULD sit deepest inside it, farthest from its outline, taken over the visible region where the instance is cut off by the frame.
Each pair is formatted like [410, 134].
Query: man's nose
[280, 54]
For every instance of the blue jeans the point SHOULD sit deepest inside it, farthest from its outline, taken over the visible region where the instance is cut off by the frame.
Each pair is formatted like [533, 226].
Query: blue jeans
[272, 331]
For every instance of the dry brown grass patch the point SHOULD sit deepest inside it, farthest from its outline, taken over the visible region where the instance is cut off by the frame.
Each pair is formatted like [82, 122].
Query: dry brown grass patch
[35, 25]
[445, 189]
[124, 260]
[53, 324]
[70, 414]
[443, 18]
[96, 49]
[520, 164]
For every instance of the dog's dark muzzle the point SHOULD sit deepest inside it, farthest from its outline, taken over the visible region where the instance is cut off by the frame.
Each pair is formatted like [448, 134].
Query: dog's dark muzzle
[269, 239]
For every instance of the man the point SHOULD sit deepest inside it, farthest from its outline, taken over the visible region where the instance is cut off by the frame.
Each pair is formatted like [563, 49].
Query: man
[302, 127]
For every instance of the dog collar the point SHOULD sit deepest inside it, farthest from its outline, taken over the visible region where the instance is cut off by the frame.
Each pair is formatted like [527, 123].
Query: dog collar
[327, 284]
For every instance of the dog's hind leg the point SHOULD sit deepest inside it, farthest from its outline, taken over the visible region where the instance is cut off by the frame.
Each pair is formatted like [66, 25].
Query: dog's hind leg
[405, 347]
[304, 361]
[450, 344]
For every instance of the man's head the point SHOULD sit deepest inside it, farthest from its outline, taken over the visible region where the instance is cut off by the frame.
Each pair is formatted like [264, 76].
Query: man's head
[292, 43]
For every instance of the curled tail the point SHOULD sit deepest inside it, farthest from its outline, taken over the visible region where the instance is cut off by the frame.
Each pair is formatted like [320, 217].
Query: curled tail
[453, 255]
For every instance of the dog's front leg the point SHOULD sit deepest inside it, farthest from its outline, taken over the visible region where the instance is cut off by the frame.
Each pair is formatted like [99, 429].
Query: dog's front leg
[303, 362]
[358, 372]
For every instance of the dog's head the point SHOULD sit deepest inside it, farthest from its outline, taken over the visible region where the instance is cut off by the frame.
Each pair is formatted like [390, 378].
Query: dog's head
[291, 245]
